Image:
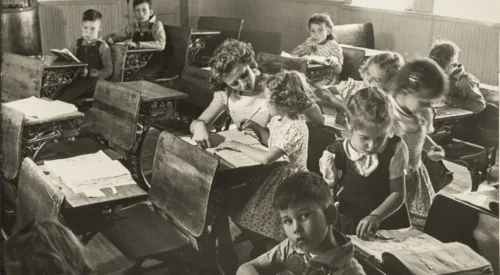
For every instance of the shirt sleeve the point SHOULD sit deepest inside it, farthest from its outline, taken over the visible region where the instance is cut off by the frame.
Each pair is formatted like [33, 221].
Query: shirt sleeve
[302, 49]
[159, 35]
[275, 258]
[327, 167]
[107, 62]
[399, 161]
[473, 98]
[289, 139]
[336, 51]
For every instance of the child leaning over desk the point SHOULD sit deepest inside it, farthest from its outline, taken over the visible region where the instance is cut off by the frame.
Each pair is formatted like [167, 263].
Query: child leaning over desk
[313, 245]
[89, 49]
[321, 47]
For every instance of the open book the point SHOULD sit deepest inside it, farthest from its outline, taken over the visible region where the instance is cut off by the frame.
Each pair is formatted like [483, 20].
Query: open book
[65, 54]
[40, 108]
[287, 55]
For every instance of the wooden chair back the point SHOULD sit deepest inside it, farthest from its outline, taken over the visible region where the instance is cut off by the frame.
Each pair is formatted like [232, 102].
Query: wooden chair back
[450, 220]
[359, 35]
[353, 60]
[12, 132]
[176, 49]
[182, 180]
[115, 113]
[21, 77]
[272, 63]
[319, 139]
[127, 62]
[195, 83]
[228, 27]
[37, 197]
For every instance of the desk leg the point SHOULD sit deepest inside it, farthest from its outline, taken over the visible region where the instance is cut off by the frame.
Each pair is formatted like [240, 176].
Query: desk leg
[37, 136]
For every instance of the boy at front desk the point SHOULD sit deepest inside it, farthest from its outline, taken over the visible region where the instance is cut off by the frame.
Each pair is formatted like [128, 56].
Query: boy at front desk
[146, 32]
[93, 51]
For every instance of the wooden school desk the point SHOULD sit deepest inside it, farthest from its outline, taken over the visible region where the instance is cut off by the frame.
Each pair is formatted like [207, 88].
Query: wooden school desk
[368, 52]
[198, 41]
[127, 62]
[446, 113]
[57, 73]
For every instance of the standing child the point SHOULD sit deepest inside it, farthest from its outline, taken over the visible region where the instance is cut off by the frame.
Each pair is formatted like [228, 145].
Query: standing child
[464, 87]
[321, 47]
[313, 245]
[146, 32]
[92, 50]
[288, 96]
[367, 171]
[418, 84]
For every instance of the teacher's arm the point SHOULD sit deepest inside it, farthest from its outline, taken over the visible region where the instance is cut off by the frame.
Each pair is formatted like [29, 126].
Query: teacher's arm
[199, 127]
[315, 116]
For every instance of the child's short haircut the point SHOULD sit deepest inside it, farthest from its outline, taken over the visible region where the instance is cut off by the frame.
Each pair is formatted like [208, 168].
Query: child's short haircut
[230, 53]
[443, 51]
[302, 187]
[390, 63]
[91, 15]
[43, 248]
[290, 93]
[136, 3]
[322, 18]
[369, 107]
[423, 78]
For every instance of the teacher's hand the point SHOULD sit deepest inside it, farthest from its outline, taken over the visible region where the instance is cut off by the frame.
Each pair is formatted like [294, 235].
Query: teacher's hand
[202, 137]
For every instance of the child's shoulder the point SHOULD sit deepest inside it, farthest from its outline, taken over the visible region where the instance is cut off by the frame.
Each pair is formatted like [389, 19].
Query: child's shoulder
[467, 79]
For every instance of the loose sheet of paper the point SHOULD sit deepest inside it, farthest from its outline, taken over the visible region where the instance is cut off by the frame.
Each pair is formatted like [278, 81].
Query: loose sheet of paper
[39, 108]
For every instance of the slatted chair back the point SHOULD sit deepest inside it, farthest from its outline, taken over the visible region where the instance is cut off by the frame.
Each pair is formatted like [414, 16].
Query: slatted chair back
[21, 77]
[183, 175]
[176, 49]
[359, 35]
[115, 113]
[12, 131]
[273, 64]
[37, 197]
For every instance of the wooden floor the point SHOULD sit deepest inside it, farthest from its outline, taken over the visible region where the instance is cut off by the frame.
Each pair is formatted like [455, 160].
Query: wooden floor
[112, 261]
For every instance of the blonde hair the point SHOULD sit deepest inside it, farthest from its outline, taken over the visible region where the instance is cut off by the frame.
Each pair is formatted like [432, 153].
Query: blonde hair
[369, 107]
[390, 63]
[45, 247]
[291, 94]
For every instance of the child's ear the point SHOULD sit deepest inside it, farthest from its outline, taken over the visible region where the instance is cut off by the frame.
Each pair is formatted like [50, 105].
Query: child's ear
[331, 213]
[151, 11]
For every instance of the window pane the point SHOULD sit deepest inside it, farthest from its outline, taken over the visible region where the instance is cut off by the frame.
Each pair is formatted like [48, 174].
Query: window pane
[399, 5]
[481, 10]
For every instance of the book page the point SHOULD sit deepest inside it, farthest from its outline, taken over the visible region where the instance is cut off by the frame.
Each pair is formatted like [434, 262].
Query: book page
[71, 55]
[285, 54]
[40, 108]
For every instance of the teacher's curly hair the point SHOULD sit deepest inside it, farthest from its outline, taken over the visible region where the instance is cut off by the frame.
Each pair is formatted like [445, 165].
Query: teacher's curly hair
[291, 93]
[230, 53]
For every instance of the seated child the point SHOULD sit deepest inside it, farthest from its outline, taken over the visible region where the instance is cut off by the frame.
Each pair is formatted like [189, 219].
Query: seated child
[322, 47]
[45, 248]
[146, 32]
[92, 50]
[367, 170]
[307, 214]
[464, 87]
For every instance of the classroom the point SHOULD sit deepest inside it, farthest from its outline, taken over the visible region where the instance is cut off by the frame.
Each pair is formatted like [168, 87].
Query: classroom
[242, 137]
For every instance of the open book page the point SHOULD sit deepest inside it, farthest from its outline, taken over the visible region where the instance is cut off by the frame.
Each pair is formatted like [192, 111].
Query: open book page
[65, 54]
[285, 54]
[40, 108]
[92, 171]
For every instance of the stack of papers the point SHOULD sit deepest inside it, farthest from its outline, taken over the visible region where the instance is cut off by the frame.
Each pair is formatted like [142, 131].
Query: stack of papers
[42, 109]
[88, 173]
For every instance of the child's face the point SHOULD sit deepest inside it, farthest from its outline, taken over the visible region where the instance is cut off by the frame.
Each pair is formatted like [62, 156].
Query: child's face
[241, 78]
[318, 32]
[452, 66]
[143, 12]
[373, 76]
[90, 29]
[369, 139]
[305, 224]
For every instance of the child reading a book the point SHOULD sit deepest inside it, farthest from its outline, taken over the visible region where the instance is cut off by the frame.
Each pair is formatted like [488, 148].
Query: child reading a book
[321, 47]
[367, 170]
[45, 248]
[92, 50]
[307, 216]
[146, 32]
[288, 97]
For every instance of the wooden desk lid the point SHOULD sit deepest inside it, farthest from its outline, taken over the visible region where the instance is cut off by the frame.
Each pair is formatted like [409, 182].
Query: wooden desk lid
[21, 77]
[183, 175]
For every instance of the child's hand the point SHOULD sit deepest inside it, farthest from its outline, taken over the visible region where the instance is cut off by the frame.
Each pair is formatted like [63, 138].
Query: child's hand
[84, 72]
[110, 41]
[131, 45]
[332, 61]
[232, 145]
[250, 124]
[368, 226]
[436, 153]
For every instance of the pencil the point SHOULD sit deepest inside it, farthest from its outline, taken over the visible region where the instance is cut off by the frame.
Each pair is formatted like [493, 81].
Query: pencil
[245, 124]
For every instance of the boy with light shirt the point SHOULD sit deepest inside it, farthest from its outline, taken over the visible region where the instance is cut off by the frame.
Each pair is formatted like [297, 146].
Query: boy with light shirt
[94, 52]
[306, 208]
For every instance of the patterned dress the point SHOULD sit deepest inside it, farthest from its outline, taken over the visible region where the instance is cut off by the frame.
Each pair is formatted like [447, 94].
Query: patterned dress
[329, 48]
[413, 129]
[259, 215]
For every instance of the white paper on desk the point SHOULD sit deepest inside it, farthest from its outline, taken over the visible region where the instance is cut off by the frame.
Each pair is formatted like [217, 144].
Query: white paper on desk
[92, 171]
[39, 108]
[285, 54]
[217, 138]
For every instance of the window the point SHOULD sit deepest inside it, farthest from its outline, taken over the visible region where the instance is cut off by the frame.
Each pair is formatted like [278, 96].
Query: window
[480, 10]
[398, 5]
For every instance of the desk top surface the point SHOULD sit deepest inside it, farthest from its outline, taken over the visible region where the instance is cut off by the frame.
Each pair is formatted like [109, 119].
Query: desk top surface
[450, 113]
[368, 52]
[36, 121]
[153, 92]
[52, 62]
[200, 32]
[75, 200]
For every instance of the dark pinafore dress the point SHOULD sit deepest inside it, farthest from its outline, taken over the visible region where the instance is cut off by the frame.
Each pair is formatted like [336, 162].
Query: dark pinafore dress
[83, 86]
[154, 66]
[361, 195]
